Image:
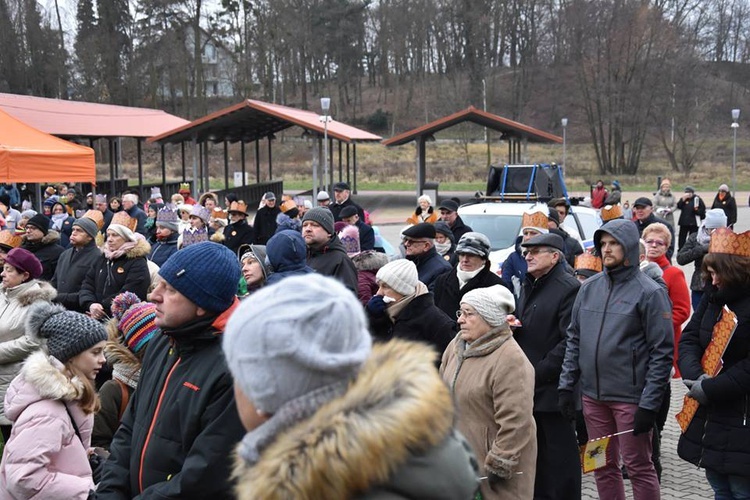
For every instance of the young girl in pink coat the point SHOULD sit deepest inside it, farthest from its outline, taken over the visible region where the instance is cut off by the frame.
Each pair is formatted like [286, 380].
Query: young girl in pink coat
[51, 404]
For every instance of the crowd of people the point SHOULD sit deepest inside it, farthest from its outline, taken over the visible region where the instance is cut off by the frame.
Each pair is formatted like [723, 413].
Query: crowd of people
[191, 349]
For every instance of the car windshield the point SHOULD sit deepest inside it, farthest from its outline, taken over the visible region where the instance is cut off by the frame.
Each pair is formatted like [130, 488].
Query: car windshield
[502, 230]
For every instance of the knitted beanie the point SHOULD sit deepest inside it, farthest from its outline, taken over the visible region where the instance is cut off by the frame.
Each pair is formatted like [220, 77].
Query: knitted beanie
[66, 333]
[715, 218]
[206, 273]
[89, 226]
[167, 218]
[401, 275]
[492, 303]
[40, 222]
[474, 243]
[123, 231]
[322, 216]
[280, 346]
[135, 319]
[349, 237]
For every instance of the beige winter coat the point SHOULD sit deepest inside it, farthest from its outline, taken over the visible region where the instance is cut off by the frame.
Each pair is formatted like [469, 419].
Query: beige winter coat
[493, 387]
[15, 346]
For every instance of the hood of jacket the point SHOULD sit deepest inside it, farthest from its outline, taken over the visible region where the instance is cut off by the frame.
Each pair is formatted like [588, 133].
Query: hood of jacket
[41, 378]
[397, 406]
[369, 260]
[141, 249]
[626, 234]
[286, 251]
[31, 291]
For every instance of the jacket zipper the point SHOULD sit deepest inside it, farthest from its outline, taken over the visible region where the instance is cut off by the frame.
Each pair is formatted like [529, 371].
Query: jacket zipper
[634, 359]
[598, 340]
[703, 437]
[153, 423]
[744, 414]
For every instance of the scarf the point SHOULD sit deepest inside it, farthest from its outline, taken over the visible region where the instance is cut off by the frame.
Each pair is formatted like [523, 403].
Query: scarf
[127, 375]
[395, 309]
[703, 237]
[112, 255]
[290, 414]
[465, 276]
[443, 248]
[57, 221]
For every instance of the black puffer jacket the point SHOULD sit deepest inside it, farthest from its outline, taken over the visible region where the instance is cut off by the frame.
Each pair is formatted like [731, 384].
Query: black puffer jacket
[265, 224]
[448, 295]
[718, 437]
[332, 260]
[420, 320]
[107, 278]
[48, 251]
[237, 234]
[178, 432]
[544, 311]
[72, 267]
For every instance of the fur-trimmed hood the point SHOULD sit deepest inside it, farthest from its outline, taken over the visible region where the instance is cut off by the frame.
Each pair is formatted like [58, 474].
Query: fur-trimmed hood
[141, 249]
[50, 238]
[369, 260]
[41, 378]
[396, 408]
[29, 292]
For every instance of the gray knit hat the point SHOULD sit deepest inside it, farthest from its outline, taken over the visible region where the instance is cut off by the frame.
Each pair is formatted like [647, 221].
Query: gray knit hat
[281, 346]
[492, 303]
[322, 216]
[401, 275]
[66, 333]
[88, 226]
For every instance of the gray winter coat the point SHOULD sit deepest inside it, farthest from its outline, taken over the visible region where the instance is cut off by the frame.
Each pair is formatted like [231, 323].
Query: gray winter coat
[620, 338]
[692, 251]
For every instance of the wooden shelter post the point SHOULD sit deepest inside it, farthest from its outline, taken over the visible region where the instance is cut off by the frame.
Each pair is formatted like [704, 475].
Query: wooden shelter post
[226, 164]
[242, 160]
[139, 146]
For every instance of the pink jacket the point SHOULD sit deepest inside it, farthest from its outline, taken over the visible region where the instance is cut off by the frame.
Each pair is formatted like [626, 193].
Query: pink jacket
[44, 458]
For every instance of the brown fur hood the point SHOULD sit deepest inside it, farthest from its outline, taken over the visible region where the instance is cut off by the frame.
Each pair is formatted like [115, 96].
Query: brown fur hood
[397, 407]
[141, 249]
[31, 291]
[52, 237]
[370, 260]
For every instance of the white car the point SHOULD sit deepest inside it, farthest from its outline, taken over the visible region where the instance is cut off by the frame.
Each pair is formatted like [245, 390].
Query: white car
[501, 223]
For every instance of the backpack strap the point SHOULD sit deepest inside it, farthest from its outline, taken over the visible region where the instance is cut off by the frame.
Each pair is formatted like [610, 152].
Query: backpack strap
[124, 398]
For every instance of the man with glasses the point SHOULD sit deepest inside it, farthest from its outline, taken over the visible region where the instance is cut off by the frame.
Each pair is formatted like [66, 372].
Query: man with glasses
[419, 241]
[643, 208]
[544, 309]
[619, 348]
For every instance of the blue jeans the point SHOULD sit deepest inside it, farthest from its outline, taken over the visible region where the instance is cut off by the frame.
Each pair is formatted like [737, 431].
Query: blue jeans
[728, 487]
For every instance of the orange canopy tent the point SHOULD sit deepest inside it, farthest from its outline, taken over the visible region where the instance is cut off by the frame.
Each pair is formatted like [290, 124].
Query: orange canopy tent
[30, 155]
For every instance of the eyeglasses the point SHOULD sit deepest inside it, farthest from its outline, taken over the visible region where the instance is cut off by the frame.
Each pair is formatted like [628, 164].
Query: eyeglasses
[408, 243]
[656, 243]
[535, 251]
[465, 314]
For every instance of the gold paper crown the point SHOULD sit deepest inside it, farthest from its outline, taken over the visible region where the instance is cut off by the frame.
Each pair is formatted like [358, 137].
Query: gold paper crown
[724, 240]
[287, 205]
[610, 212]
[8, 239]
[124, 219]
[588, 261]
[218, 213]
[238, 206]
[535, 219]
[96, 216]
[185, 186]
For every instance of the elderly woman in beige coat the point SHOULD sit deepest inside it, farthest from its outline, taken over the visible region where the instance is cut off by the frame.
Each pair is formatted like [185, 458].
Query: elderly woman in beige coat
[493, 386]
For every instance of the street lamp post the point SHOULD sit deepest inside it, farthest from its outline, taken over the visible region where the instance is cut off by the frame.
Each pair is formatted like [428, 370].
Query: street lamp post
[564, 122]
[325, 105]
[735, 126]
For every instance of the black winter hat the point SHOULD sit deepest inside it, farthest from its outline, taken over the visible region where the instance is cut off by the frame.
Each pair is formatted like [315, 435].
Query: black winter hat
[41, 222]
[421, 230]
[545, 240]
[348, 211]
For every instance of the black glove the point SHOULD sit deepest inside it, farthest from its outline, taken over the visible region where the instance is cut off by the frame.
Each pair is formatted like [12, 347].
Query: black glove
[644, 421]
[567, 404]
[494, 480]
[696, 389]
[376, 305]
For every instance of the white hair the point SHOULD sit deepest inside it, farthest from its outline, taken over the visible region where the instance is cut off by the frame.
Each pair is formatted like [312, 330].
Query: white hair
[130, 197]
[426, 198]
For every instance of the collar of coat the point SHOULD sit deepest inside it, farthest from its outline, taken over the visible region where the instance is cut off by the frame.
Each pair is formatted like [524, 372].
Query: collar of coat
[45, 374]
[29, 292]
[484, 345]
[397, 406]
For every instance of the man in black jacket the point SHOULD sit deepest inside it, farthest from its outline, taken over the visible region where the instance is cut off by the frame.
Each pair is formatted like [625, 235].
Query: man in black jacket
[692, 212]
[643, 208]
[449, 214]
[265, 219]
[343, 198]
[544, 309]
[44, 243]
[325, 253]
[181, 426]
[419, 241]
[75, 262]
[238, 232]
[471, 272]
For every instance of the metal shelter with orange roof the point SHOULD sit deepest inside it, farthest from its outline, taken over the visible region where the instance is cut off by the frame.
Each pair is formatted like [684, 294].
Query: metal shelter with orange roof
[85, 121]
[252, 121]
[517, 134]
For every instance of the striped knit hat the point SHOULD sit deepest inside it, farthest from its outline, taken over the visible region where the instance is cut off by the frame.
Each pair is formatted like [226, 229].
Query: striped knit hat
[135, 319]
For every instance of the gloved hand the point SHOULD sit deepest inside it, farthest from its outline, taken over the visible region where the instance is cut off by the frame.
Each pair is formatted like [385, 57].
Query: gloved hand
[567, 404]
[644, 421]
[696, 389]
[376, 305]
[494, 480]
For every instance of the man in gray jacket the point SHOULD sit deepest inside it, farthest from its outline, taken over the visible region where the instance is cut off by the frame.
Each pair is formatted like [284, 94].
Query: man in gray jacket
[620, 348]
